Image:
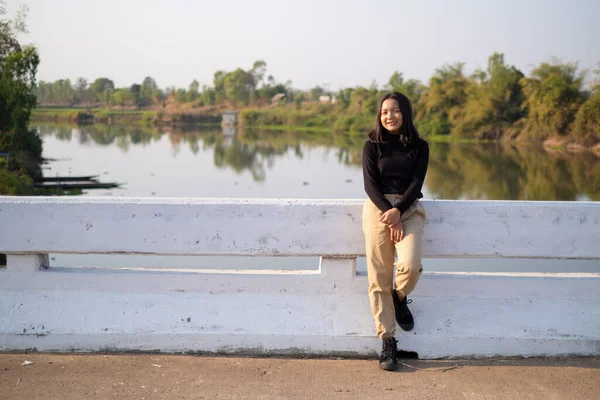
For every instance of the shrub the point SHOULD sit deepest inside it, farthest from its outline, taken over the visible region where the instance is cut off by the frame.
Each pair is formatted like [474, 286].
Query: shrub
[15, 183]
[102, 116]
[149, 116]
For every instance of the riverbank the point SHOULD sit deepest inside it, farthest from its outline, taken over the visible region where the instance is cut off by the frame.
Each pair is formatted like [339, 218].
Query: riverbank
[323, 118]
[557, 144]
[317, 119]
[113, 116]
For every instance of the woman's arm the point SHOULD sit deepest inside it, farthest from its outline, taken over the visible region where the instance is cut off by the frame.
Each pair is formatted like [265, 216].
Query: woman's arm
[370, 175]
[412, 193]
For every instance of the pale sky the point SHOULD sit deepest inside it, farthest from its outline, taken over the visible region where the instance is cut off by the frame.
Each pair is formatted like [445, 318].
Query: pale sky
[323, 42]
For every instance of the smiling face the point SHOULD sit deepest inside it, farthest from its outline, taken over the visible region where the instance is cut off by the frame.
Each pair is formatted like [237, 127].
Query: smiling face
[391, 117]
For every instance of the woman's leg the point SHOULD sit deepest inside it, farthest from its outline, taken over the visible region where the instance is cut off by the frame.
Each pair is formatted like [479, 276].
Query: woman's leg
[380, 268]
[409, 253]
[408, 266]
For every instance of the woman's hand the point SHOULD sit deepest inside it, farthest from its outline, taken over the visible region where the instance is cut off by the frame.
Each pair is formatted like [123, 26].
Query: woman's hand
[391, 217]
[397, 232]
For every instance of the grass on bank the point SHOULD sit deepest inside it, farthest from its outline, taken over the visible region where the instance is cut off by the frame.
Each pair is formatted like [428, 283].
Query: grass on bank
[103, 115]
[61, 110]
[82, 115]
[316, 118]
[454, 139]
[289, 128]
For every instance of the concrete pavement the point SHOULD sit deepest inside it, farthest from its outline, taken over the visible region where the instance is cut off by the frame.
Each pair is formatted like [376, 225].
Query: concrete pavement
[149, 376]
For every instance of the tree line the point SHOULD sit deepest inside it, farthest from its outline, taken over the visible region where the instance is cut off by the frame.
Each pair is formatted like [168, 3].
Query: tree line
[487, 104]
[237, 88]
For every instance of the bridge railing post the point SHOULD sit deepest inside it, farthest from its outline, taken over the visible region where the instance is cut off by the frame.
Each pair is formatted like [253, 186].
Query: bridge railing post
[343, 267]
[26, 264]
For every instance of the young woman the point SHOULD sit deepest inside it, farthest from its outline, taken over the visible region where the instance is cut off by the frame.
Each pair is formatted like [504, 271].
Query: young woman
[395, 161]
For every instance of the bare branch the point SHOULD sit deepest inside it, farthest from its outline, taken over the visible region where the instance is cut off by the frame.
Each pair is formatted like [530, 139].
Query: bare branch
[20, 23]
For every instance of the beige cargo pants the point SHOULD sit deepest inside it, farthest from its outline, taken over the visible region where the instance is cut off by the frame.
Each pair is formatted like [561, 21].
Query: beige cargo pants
[380, 251]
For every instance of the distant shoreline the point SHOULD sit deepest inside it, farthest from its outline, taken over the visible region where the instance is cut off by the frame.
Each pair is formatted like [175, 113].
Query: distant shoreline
[247, 118]
[105, 116]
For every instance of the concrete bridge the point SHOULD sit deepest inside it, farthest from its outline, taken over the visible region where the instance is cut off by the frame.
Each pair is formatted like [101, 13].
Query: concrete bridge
[324, 311]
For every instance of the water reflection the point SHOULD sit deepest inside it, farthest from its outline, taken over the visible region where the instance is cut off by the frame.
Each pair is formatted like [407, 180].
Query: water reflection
[457, 171]
[503, 172]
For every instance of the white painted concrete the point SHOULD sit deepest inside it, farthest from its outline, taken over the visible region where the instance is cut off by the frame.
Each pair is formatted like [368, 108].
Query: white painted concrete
[290, 227]
[26, 265]
[455, 316]
[325, 311]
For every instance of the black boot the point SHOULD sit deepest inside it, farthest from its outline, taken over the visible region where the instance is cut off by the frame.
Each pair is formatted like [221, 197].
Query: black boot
[389, 355]
[403, 315]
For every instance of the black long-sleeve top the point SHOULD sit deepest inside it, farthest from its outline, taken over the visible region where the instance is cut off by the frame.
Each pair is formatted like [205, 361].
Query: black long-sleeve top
[394, 168]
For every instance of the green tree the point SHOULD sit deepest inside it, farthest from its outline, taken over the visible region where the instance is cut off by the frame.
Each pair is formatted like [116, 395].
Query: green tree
[148, 91]
[441, 104]
[135, 91]
[181, 96]
[412, 88]
[159, 97]
[107, 98]
[8, 30]
[494, 101]
[258, 72]
[259, 68]
[100, 86]
[82, 93]
[208, 96]
[219, 86]
[44, 92]
[553, 96]
[271, 88]
[587, 120]
[316, 92]
[17, 99]
[365, 100]
[298, 100]
[344, 97]
[194, 90]
[123, 97]
[18, 67]
[238, 85]
[63, 92]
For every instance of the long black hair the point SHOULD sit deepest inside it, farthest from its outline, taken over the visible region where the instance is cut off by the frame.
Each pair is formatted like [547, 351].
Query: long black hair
[408, 133]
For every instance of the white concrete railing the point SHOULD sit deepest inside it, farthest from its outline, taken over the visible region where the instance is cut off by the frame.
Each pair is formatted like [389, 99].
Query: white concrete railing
[324, 311]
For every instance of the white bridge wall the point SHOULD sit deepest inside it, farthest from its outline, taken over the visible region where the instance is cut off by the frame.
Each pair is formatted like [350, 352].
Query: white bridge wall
[325, 311]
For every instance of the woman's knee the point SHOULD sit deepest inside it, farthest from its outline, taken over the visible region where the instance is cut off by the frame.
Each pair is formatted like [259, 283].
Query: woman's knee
[381, 286]
[410, 267]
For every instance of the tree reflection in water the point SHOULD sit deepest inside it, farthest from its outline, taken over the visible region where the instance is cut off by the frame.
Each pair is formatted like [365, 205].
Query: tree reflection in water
[504, 172]
[456, 170]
